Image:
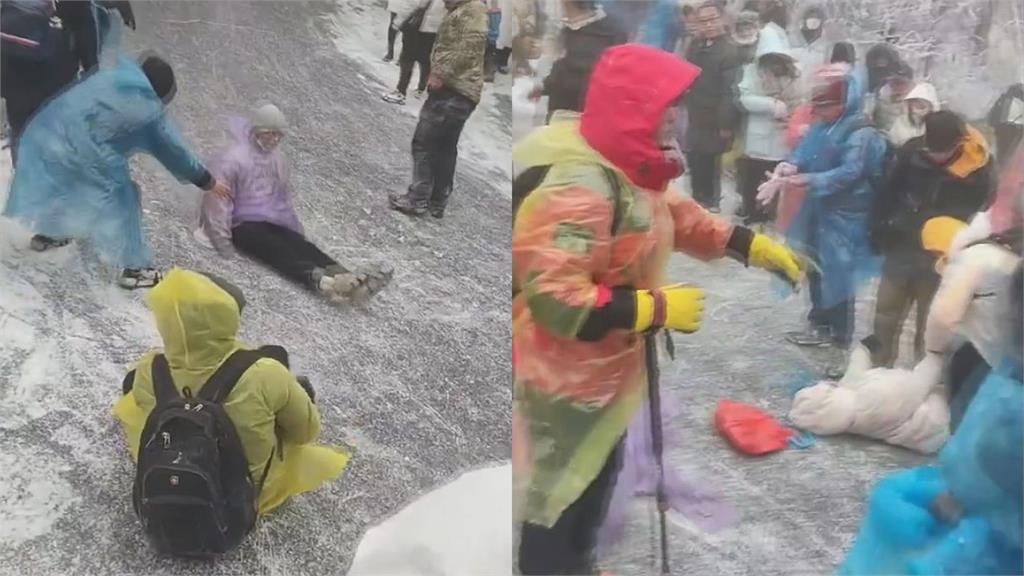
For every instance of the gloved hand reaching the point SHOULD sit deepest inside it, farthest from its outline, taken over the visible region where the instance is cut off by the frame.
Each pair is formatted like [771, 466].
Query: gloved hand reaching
[780, 110]
[774, 257]
[783, 169]
[676, 307]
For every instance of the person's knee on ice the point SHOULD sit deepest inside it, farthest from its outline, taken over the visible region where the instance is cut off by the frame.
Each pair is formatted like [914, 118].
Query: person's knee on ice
[198, 318]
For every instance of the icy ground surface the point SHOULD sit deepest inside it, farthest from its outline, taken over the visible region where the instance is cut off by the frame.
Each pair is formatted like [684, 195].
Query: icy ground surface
[799, 509]
[418, 381]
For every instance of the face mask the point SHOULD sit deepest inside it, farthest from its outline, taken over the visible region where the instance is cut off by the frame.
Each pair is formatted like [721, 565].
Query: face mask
[812, 24]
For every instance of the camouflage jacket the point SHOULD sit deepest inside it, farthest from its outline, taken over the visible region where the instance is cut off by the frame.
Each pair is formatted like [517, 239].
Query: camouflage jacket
[458, 57]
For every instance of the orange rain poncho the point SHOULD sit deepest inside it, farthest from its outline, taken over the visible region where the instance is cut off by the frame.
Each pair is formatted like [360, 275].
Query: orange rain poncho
[574, 399]
[198, 322]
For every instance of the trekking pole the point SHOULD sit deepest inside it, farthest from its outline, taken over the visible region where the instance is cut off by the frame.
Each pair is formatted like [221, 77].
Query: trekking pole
[651, 349]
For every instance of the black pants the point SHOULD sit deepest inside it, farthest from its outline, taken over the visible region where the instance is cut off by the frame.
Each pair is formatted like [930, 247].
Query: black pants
[750, 175]
[435, 147]
[705, 177]
[568, 546]
[967, 370]
[837, 319]
[284, 250]
[897, 292]
[392, 36]
[416, 49]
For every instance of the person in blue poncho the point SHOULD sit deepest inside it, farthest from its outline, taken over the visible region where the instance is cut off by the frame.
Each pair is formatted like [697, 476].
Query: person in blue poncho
[662, 28]
[836, 169]
[73, 180]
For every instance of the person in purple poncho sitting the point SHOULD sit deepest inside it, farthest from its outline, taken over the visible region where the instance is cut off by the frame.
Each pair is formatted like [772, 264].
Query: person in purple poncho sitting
[259, 218]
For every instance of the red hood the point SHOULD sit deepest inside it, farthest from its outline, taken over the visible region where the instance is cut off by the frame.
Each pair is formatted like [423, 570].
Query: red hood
[628, 92]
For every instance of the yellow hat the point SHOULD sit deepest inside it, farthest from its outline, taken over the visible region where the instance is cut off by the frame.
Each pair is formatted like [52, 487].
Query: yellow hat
[938, 233]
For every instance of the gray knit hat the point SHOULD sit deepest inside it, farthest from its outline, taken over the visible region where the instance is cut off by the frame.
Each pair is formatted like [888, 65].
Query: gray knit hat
[268, 117]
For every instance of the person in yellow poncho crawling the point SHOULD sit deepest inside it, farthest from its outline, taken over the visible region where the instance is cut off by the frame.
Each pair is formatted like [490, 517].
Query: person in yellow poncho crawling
[273, 413]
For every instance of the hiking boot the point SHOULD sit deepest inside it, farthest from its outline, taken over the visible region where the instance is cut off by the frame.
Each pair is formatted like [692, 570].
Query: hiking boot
[134, 278]
[405, 206]
[811, 337]
[394, 97]
[338, 287]
[42, 243]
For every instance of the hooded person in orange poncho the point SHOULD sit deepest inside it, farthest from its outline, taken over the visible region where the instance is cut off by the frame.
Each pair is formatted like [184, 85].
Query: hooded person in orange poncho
[198, 318]
[586, 294]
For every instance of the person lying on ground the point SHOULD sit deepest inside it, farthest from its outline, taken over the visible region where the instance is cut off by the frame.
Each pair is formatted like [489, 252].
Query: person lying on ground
[273, 414]
[73, 179]
[259, 218]
[589, 246]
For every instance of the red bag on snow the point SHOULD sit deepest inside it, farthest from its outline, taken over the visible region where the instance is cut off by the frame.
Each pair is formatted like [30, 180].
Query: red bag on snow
[750, 430]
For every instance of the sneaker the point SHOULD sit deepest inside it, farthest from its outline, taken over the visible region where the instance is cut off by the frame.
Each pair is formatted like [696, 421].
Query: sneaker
[436, 212]
[389, 57]
[338, 287]
[419, 94]
[811, 337]
[394, 97]
[405, 206]
[134, 278]
[42, 243]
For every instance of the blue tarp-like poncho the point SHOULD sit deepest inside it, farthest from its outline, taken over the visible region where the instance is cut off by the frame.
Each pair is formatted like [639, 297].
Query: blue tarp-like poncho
[843, 162]
[981, 467]
[72, 178]
[661, 28]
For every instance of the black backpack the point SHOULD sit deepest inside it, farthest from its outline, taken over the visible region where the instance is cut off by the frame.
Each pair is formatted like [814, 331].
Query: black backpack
[193, 492]
[531, 179]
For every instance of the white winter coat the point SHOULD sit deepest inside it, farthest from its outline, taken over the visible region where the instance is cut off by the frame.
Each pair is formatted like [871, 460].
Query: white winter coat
[970, 301]
[902, 407]
[463, 528]
[431, 19]
[765, 134]
[903, 128]
[809, 58]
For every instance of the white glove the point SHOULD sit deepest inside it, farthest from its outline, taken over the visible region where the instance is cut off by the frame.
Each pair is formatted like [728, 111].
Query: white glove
[780, 110]
[766, 192]
[784, 169]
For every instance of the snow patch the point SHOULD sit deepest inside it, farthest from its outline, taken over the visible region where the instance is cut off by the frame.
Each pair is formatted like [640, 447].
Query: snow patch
[35, 496]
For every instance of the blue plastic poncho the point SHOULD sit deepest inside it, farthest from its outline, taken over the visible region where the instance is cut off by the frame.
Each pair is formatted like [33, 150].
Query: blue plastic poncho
[981, 467]
[661, 28]
[843, 162]
[72, 178]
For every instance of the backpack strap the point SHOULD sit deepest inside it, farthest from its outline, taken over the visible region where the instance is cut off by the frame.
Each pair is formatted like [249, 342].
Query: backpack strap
[616, 185]
[163, 384]
[223, 381]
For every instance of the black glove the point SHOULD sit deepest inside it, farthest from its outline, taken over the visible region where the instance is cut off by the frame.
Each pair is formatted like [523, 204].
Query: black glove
[124, 8]
[304, 382]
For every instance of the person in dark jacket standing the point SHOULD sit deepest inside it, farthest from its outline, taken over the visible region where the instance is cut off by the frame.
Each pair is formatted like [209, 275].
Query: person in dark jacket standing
[588, 32]
[711, 104]
[455, 84]
[946, 172]
[26, 84]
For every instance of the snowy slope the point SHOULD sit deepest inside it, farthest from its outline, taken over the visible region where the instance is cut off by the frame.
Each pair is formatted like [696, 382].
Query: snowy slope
[417, 381]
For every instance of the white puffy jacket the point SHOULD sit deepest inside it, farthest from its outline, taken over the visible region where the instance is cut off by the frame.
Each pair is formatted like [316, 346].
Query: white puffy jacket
[902, 407]
[431, 19]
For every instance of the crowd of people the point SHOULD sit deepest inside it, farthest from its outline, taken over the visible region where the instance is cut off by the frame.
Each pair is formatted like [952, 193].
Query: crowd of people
[854, 161]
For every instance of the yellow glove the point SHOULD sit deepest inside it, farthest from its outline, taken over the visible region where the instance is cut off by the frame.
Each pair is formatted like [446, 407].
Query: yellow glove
[768, 255]
[675, 307]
